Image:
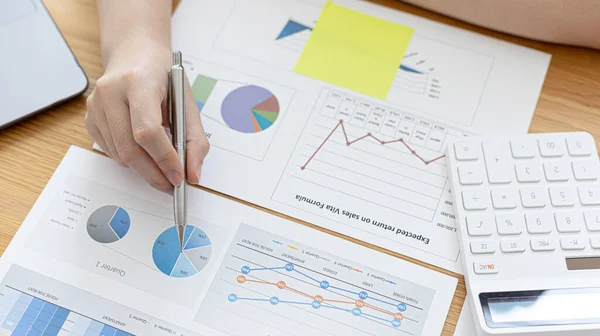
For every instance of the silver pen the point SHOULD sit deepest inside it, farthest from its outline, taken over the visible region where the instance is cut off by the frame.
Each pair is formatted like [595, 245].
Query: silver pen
[178, 131]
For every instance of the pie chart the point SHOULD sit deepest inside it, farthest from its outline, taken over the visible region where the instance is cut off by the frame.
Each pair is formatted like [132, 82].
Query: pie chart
[108, 224]
[172, 261]
[250, 109]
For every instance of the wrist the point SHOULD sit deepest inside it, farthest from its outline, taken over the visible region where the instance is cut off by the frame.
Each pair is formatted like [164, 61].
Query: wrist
[136, 45]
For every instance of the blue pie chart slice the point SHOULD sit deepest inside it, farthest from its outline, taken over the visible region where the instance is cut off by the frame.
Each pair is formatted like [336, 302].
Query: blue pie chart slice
[172, 261]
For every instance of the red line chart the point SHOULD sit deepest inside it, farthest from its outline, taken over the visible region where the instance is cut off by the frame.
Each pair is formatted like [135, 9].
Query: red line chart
[340, 124]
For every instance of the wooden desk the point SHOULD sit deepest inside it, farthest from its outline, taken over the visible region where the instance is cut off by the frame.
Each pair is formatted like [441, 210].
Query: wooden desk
[31, 151]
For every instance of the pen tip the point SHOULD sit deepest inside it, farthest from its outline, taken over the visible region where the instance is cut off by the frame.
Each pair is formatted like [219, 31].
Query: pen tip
[181, 234]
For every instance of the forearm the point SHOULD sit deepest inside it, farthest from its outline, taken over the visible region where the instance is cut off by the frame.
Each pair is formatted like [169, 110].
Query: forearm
[133, 21]
[558, 21]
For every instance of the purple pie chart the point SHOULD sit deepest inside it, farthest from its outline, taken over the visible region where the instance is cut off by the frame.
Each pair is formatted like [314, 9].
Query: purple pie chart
[250, 109]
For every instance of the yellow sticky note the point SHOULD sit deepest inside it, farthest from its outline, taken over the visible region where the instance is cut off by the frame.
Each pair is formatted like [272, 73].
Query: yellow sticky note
[354, 50]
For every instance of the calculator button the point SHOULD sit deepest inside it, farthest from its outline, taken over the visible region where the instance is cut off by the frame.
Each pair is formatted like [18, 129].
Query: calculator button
[524, 148]
[482, 247]
[589, 194]
[568, 221]
[509, 224]
[579, 145]
[592, 220]
[467, 150]
[585, 170]
[481, 267]
[572, 243]
[528, 172]
[479, 225]
[552, 146]
[595, 242]
[469, 174]
[538, 245]
[533, 197]
[475, 199]
[539, 222]
[562, 196]
[512, 245]
[556, 171]
[497, 162]
[504, 198]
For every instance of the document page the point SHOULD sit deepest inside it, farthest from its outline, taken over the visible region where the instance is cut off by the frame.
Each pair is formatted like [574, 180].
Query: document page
[465, 325]
[99, 255]
[309, 140]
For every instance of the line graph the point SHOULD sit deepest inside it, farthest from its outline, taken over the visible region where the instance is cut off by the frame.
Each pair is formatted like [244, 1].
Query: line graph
[273, 290]
[377, 169]
[340, 125]
[318, 301]
[376, 152]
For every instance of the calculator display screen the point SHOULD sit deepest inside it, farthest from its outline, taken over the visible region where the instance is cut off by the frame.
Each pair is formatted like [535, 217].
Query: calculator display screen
[540, 308]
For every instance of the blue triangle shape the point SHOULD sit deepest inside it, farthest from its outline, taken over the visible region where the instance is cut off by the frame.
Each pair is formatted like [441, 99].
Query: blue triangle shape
[197, 239]
[409, 69]
[291, 27]
[183, 268]
[262, 121]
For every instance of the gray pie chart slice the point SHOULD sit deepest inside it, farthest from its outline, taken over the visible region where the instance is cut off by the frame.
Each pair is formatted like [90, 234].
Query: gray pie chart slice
[199, 256]
[98, 225]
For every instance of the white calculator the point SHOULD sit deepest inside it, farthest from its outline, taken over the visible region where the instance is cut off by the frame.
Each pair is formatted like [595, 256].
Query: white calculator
[528, 212]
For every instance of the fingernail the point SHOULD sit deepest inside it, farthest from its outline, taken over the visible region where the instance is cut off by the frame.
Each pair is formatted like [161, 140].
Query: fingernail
[174, 177]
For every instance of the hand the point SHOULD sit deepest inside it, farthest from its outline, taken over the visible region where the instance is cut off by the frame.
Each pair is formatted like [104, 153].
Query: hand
[128, 109]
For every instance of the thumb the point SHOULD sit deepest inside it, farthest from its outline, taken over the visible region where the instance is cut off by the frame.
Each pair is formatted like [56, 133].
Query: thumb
[197, 143]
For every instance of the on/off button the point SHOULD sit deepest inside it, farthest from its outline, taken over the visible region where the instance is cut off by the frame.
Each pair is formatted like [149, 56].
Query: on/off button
[482, 267]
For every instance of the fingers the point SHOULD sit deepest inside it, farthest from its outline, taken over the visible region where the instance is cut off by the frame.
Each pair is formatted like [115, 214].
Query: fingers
[197, 143]
[148, 132]
[97, 125]
[132, 154]
[96, 135]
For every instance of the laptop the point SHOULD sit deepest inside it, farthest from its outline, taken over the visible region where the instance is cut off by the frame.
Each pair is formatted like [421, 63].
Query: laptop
[37, 68]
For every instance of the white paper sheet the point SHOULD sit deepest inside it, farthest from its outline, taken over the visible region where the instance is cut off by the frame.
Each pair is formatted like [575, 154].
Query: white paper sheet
[98, 252]
[380, 178]
[465, 325]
